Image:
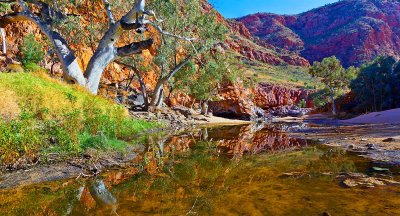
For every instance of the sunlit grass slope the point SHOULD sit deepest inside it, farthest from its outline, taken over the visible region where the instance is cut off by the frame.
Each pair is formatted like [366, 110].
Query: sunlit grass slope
[39, 115]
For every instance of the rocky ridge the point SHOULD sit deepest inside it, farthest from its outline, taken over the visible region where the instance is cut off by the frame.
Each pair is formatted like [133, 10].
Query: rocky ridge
[356, 31]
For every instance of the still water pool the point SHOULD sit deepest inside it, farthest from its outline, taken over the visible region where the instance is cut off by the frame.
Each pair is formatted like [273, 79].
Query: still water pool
[231, 170]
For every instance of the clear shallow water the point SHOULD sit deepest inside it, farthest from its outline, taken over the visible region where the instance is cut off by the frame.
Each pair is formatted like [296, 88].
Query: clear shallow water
[240, 170]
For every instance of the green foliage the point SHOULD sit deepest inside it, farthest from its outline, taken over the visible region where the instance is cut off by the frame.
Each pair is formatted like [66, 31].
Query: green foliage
[59, 118]
[32, 51]
[334, 77]
[185, 18]
[203, 83]
[332, 73]
[302, 104]
[30, 67]
[321, 97]
[377, 86]
[4, 8]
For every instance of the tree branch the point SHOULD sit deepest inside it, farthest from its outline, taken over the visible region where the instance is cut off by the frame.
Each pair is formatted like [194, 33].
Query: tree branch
[109, 12]
[178, 67]
[134, 48]
[161, 31]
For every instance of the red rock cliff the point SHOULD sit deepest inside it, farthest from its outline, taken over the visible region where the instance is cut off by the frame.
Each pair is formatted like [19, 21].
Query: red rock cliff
[356, 31]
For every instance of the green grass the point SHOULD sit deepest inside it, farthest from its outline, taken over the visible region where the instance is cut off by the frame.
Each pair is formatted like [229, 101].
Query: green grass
[40, 115]
[286, 75]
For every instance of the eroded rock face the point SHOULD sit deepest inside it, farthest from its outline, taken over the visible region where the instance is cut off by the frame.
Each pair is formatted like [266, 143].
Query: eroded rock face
[356, 31]
[269, 96]
[238, 102]
[242, 42]
[233, 102]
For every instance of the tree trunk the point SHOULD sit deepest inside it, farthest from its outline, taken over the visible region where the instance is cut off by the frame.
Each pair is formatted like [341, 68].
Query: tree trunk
[156, 93]
[160, 99]
[204, 107]
[106, 51]
[334, 110]
[144, 91]
[3, 40]
[97, 64]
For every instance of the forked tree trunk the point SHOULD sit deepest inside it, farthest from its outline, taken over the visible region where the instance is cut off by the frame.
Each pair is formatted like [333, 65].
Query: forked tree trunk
[158, 89]
[156, 93]
[106, 51]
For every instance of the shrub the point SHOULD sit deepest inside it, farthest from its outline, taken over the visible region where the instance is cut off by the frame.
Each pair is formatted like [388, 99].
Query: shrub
[302, 103]
[377, 86]
[4, 7]
[32, 51]
[320, 98]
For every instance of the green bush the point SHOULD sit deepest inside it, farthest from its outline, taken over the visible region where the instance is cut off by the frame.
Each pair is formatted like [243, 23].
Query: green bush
[320, 98]
[32, 51]
[5, 7]
[377, 86]
[302, 103]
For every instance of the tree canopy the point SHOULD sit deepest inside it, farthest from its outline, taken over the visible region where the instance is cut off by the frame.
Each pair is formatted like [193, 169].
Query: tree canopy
[377, 86]
[333, 76]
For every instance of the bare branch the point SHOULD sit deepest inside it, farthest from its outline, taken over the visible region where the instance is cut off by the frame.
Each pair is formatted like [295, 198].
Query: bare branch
[109, 12]
[134, 48]
[137, 10]
[160, 30]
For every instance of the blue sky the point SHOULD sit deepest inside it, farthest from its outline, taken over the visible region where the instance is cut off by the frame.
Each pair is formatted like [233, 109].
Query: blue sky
[238, 8]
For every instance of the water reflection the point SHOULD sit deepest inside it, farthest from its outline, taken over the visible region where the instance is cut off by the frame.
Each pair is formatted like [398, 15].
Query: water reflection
[246, 170]
[235, 141]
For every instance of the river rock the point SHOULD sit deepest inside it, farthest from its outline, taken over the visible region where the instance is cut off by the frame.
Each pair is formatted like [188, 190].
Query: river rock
[371, 146]
[183, 110]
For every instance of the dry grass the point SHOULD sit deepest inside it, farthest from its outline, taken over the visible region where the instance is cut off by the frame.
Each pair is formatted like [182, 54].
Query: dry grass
[9, 108]
[38, 92]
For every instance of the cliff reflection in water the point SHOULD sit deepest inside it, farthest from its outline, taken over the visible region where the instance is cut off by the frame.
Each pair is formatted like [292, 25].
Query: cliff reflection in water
[235, 141]
[241, 170]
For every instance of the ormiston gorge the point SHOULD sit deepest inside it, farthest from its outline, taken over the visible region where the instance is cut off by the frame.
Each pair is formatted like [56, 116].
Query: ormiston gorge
[196, 107]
